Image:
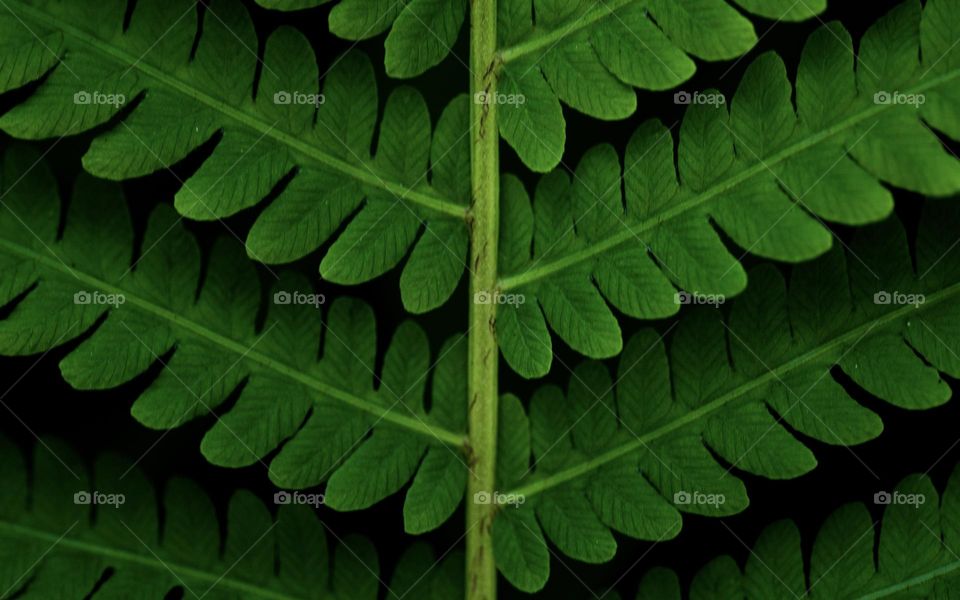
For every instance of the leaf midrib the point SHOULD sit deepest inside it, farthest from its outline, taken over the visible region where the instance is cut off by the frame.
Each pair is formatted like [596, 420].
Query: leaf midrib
[553, 36]
[412, 424]
[916, 580]
[547, 268]
[541, 485]
[142, 560]
[367, 176]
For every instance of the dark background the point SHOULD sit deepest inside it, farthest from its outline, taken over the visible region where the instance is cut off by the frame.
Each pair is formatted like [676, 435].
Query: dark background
[39, 401]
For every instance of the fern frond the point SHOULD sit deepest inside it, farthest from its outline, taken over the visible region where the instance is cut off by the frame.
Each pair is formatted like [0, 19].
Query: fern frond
[616, 44]
[764, 174]
[422, 32]
[135, 311]
[627, 454]
[590, 56]
[66, 532]
[914, 556]
[280, 134]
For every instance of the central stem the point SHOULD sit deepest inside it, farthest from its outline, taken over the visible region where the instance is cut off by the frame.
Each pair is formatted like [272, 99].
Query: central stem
[484, 220]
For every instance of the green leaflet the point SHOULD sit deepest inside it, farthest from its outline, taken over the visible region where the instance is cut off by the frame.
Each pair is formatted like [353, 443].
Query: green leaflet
[152, 307]
[66, 532]
[630, 453]
[422, 32]
[916, 553]
[618, 43]
[590, 56]
[767, 176]
[164, 104]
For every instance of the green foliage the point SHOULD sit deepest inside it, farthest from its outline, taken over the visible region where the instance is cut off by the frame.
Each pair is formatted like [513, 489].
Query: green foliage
[67, 532]
[390, 209]
[614, 44]
[914, 556]
[766, 176]
[323, 170]
[379, 181]
[422, 32]
[629, 454]
[590, 56]
[134, 311]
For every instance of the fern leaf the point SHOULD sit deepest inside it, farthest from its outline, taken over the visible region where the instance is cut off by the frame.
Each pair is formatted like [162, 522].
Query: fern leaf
[164, 103]
[66, 532]
[618, 42]
[639, 449]
[134, 311]
[916, 554]
[766, 175]
[590, 56]
[422, 32]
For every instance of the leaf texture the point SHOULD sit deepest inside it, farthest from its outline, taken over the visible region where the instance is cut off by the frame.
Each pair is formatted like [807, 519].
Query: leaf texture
[590, 56]
[667, 433]
[273, 130]
[336, 419]
[69, 532]
[915, 550]
[628, 232]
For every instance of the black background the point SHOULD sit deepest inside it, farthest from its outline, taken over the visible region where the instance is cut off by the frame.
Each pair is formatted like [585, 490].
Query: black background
[38, 401]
